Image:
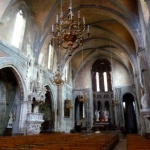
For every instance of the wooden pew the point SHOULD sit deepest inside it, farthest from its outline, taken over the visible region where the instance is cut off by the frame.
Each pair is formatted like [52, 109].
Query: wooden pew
[59, 142]
[137, 142]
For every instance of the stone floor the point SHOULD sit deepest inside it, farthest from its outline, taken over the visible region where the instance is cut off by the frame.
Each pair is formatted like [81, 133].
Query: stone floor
[121, 144]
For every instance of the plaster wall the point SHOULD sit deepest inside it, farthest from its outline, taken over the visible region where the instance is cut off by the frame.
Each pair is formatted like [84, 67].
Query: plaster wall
[121, 76]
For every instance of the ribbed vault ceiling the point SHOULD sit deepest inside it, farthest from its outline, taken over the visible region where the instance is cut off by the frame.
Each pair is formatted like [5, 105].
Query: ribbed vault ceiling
[112, 25]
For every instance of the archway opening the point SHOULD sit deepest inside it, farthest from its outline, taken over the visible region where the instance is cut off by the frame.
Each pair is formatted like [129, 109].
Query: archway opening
[10, 97]
[49, 115]
[78, 114]
[129, 114]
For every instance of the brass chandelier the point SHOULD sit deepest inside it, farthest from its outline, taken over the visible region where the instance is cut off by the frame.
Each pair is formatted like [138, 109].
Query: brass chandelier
[69, 32]
[57, 78]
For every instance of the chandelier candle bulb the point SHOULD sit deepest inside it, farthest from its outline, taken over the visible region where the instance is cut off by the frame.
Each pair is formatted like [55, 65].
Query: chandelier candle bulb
[71, 3]
[71, 15]
[83, 20]
[79, 14]
[69, 31]
[57, 19]
[88, 29]
[61, 15]
[52, 28]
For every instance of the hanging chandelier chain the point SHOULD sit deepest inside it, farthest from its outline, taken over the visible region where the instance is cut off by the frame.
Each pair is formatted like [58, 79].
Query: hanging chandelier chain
[69, 31]
[57, 77]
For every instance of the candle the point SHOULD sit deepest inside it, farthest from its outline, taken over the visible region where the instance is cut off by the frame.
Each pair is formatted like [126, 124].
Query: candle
[61, 15]
[71, 15]
[57, 19]
[78, 14]
[70, 2]
[88, 29]
[52, 28]
[83, 20]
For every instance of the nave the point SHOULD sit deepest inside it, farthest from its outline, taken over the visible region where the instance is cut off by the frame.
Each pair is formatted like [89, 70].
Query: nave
[105, 140]
[61, 141]
[70, 65]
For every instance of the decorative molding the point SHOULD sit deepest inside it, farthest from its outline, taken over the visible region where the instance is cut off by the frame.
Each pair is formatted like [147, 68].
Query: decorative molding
[1, 23]
[34, 121]
[141, 49]
[12, 51]
[147, 1]
[145, 113]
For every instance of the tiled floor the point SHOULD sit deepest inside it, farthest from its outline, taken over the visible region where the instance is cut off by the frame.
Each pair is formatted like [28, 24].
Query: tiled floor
[121, 145]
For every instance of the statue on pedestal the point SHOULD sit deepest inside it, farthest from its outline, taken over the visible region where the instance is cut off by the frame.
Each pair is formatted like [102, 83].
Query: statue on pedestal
[10, 122]
[97, 115]
[106, 115]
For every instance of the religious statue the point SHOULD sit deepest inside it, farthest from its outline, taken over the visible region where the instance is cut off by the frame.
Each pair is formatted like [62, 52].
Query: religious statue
[97, 115]
[106, 115]
[10, 122]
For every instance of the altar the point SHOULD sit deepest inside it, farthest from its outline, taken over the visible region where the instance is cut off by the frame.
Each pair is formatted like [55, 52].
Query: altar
[98, 125]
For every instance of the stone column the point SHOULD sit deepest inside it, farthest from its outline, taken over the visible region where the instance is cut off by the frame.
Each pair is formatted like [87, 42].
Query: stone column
[145, 82]
[58, 110]
[23, 116]
[59, 107]
[115, 114]
[78, 114]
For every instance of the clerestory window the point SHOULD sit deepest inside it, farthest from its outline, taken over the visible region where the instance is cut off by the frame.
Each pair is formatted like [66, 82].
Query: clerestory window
[50, 56]
[19, 29]
[101, 76]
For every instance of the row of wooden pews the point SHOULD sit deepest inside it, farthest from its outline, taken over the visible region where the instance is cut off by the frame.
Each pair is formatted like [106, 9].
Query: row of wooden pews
[60, 141]
[137, 142]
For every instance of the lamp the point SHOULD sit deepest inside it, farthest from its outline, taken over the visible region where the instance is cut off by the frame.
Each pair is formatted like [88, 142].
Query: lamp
[57, 78]
[69, 32]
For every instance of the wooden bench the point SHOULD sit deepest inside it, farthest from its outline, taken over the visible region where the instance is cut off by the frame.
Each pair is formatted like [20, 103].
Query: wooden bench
[59, 142]
[137, 142]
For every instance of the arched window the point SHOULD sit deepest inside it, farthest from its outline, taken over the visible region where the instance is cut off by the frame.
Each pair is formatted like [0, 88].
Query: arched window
[99, 105]
[97, 82]
[105, 81]
[145, 11]
[50, 56]
[41, 58]
[19, 29]
[106, 105]
[66, 72]
[101, 76]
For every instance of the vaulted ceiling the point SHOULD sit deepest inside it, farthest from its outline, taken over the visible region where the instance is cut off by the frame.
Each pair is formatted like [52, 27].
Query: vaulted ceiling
[112, 27]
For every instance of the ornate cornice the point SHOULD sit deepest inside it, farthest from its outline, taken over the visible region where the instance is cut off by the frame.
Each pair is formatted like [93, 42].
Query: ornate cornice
[145, 113]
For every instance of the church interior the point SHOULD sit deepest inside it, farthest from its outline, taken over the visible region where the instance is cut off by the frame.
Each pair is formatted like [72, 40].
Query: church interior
[75, 66]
